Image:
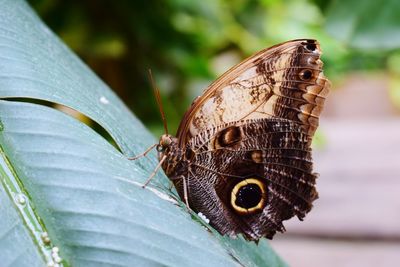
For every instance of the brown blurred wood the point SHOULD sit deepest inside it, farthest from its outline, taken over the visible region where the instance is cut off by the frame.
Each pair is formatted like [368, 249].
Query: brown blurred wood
[359, 204]
[328, 253]
[356, 220]
[359, 183]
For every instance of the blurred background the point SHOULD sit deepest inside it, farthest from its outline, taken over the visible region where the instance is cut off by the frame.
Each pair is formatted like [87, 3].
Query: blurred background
[187, 44]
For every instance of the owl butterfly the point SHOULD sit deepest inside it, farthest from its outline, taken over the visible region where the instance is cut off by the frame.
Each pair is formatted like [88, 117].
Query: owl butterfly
[242, 153]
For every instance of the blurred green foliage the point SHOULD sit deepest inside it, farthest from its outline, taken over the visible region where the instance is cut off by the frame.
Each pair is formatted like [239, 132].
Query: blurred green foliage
[188, 44]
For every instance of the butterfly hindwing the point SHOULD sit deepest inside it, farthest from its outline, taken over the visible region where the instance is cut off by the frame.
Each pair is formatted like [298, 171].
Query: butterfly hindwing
[273, 152]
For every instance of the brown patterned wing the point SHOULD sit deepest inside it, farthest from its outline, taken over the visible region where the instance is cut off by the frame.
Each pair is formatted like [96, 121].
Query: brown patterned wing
[284, 81]
[248, 177]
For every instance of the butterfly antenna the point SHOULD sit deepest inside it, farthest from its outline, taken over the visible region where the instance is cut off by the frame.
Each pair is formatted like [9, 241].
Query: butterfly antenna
[158, 99]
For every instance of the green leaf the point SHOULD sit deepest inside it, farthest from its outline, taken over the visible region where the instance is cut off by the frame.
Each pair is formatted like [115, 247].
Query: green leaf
[36, 64]
[59, 177]
[16, 245]
[365, 24]
[90, 196]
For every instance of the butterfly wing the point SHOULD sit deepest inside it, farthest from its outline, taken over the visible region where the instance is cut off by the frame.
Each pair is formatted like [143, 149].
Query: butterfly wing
[249, 177]
[284, 81]
[244, 145]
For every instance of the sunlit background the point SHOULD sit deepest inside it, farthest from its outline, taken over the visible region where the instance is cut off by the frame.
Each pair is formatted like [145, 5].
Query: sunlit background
[187, 44]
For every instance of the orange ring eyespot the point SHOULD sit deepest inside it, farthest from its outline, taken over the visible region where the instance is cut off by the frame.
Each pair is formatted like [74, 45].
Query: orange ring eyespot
[249, 196]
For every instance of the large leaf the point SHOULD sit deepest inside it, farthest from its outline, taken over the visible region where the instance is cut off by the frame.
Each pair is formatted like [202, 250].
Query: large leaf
[16, 245]
[36, 64]
[366, 24]
[59, 176]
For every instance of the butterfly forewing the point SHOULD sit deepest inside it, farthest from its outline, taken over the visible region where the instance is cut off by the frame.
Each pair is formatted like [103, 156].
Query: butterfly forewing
[285, 81]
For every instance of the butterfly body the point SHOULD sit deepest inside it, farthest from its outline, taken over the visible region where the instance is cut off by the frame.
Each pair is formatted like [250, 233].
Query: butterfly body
[242, 153]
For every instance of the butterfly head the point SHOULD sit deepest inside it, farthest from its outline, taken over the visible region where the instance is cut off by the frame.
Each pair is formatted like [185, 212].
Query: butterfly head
[170, 155]
[166, 141]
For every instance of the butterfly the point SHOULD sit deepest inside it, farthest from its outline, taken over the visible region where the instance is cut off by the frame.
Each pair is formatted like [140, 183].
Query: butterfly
[242, 154]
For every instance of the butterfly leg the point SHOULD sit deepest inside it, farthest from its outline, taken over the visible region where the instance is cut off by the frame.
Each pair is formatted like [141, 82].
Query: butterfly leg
[155, 171]
[144, 153]
[185, 193]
